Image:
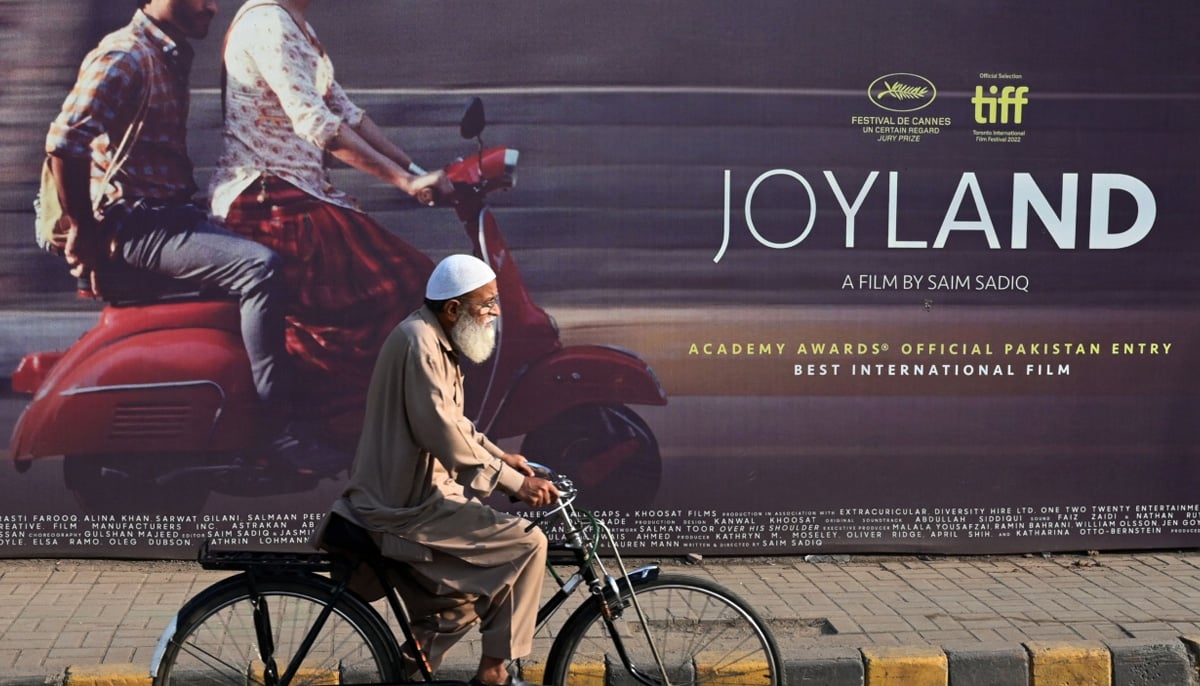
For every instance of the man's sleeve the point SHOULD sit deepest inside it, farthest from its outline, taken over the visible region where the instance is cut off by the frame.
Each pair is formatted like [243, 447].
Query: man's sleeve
[98, 104]
[440, 427]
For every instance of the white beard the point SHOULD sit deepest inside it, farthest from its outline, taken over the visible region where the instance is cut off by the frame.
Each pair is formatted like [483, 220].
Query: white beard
[475, 340]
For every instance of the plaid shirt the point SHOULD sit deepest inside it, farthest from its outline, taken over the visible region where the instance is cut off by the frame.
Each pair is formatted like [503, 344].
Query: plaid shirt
[105, 100]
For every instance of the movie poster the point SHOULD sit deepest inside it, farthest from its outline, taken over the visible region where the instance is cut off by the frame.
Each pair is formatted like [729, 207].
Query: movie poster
[794, 278]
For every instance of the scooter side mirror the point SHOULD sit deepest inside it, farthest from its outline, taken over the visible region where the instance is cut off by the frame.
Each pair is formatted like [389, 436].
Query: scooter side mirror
[473, 120]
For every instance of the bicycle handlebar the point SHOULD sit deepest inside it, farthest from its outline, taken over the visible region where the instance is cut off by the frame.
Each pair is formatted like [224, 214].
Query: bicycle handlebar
[567, 492]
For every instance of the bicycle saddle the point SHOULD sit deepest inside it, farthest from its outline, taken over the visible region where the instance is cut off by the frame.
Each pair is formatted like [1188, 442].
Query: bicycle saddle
[344, 535]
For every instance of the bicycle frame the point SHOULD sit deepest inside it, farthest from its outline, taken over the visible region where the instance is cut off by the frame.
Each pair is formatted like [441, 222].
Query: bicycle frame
[591, 571]
[255, 565]
[329, 576]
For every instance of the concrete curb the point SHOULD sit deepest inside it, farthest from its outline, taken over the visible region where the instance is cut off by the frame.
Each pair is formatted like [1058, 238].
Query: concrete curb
[1127, 662]
[30, 679]
[107, 675]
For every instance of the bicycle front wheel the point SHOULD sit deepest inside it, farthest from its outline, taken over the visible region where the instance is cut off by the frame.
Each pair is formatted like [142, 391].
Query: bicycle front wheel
[219, 639]
[703, 634]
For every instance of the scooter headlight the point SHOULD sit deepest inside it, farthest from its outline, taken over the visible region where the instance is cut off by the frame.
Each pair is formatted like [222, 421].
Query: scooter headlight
[511, 156]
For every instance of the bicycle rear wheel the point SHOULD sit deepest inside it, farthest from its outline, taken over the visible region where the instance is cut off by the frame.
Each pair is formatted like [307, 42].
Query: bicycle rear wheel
[216, 642]
[704, 634]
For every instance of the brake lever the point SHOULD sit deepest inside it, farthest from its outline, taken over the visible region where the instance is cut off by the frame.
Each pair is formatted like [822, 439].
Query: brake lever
[541, 470]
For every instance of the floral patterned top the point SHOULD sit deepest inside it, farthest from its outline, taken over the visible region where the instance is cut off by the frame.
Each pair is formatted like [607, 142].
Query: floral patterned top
[282, 108]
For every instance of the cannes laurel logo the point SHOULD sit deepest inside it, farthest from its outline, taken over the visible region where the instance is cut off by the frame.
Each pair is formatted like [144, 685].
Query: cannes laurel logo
[902, 92]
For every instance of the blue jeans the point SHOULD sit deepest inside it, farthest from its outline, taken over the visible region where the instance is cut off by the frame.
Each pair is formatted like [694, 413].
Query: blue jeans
[179, 241]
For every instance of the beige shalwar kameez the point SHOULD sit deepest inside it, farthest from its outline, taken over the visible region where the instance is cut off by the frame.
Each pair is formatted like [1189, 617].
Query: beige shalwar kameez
[419, 467]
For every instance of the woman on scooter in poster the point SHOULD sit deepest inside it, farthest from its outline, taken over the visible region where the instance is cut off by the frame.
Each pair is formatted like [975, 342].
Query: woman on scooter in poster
[352, 280]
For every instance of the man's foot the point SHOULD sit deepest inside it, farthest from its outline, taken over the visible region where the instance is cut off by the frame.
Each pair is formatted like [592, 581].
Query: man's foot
[303, 453]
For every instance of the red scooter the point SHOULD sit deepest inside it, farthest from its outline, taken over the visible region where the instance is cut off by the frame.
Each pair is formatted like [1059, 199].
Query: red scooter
[154, 408]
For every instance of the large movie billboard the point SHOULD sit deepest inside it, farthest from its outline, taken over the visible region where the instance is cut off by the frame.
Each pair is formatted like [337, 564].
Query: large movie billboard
[875, 277]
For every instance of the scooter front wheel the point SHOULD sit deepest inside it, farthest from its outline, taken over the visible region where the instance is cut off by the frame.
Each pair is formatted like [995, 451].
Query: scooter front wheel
[132, 484]
[608, 450]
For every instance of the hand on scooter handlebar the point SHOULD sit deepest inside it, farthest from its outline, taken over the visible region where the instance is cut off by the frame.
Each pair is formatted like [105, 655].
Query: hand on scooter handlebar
[431, 188]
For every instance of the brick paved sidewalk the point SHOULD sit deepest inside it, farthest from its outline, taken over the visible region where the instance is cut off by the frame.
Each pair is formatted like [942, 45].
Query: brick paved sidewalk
[89, 613]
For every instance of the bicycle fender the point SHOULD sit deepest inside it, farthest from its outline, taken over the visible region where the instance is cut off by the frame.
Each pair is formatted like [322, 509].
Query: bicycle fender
[187, 608]
[168, 633]
[640, 576]
[161, 648]
[190, 606]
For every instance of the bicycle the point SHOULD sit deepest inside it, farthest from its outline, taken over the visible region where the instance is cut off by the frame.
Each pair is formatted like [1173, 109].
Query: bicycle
[290, 619]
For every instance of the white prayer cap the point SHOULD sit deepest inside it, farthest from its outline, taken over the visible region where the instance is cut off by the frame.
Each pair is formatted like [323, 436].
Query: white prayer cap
[458, 275]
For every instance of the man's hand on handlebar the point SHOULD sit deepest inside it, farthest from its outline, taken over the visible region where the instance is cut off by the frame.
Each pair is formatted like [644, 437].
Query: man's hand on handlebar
[537, 492]
[518, 462]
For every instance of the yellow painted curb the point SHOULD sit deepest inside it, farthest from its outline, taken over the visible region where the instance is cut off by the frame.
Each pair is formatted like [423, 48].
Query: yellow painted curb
[533, 672]
[583, 673]
[906, 666]
[1069, 664]
[107, 675]
[742, 673]
[711, 670]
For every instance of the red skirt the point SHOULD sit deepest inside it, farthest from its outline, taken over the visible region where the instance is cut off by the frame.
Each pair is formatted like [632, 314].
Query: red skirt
[351, 283]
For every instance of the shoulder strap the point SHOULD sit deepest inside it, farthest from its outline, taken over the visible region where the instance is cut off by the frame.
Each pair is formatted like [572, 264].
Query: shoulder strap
[125, 147]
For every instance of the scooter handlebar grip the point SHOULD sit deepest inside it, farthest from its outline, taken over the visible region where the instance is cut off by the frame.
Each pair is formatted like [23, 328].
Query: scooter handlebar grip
[427, 196]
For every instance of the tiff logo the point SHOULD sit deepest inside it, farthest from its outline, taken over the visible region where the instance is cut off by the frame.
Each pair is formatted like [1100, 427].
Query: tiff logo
[986, 106]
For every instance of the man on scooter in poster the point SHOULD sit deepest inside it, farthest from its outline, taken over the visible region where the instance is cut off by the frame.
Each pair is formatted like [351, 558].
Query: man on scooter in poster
[120, 144]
